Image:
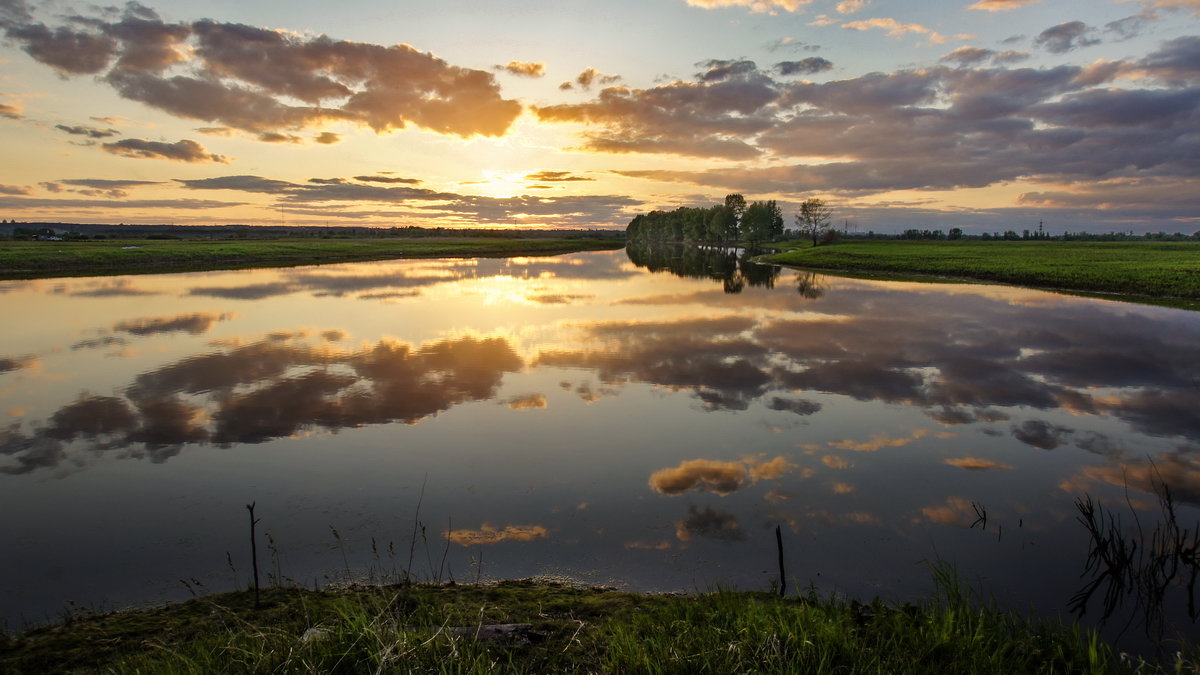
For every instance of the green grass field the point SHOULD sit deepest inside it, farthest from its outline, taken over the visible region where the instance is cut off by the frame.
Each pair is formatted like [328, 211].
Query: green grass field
[35, 259]
[1151, 269]
[420, 628]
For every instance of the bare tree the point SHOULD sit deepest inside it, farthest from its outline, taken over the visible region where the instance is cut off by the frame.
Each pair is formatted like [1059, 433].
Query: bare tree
[813, 218]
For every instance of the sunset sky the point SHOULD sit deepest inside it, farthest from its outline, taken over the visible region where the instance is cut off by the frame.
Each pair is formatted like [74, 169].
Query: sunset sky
[982, 114]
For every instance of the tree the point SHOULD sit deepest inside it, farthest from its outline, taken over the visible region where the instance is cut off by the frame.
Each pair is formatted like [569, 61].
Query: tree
[813, 218]
[761, 222]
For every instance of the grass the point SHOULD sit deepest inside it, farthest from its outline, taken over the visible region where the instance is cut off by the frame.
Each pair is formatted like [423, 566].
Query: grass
[427, 628]
[1169, 270]
[38, 259]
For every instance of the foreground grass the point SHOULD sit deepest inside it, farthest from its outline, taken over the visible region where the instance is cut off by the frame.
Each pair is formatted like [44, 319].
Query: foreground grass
[1151, 269]
[35, 259]
[413, 629]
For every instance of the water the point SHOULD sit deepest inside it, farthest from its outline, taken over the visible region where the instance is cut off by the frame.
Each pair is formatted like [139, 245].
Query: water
[641, 424]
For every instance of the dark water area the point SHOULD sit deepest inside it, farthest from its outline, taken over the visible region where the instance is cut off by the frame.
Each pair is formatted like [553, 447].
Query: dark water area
[641, 420]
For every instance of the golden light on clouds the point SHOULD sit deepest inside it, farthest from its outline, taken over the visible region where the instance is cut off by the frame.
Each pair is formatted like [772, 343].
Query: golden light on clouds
[977, 464]
[488, 534]
[528, 402]
[716, 476]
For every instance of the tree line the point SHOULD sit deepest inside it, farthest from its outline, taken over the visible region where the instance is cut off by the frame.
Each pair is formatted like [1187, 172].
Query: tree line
[729, 223]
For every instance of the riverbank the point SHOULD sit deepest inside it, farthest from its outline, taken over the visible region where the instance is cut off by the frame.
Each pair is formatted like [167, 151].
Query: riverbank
[1164, 270]
[528, 626]
[44, 259]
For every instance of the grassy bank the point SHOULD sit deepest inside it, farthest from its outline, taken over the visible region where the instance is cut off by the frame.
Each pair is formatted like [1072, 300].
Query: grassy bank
[36, 259]
[554, 628]
[1151, 269]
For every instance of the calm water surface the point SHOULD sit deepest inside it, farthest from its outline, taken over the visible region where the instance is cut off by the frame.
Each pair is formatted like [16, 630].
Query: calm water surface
[586, 417]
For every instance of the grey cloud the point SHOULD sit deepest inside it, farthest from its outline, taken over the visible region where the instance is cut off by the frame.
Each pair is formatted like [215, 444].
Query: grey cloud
[386, 179]
[90, 132]
[706, 119]
[67, 51]
[195, 324]
[246, 77]
[810, 66]
[132, 204]
[1132, 26]
[710, 524]
[1177, 62]
[10, 112]
[1065, 37]
[969, 56]
[256, 184]
[1041, 434]
[181, 151]
[797, 406]
[718, 70]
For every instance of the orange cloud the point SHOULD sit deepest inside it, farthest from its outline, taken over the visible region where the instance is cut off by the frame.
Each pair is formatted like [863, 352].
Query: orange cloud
[524, 69]
[956, 511]
[977, 464]
[488, 534]
[835, 462]
[707, 475]
[880, 441]
[181, 151]
[722, 478]
[896, 29]
[757, 6]
[770, 470]
[1000, 5]
[528, 402]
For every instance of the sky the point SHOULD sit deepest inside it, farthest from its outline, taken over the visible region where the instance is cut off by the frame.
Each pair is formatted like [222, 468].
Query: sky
[987, 115]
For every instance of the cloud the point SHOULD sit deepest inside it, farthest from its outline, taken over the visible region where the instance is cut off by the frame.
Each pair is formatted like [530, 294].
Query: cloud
[327, 138]
[710, 524]
[756, 6]
[705, 475]
[706, 119]
[1181, 5]
[527, 402]
[977, 464]
[267, 81]
[896, 29]
[524, 68]
[388, 179]
[90, 132]
[1065, 37]
[488, 534]
[10, 111]
[797, 406]
[1132, 26]
[195, 324]
[851, 6]
[182, 151]
[1041, 434]
[592, 76]
[809, 66]
[14, 190]
[879, 442]
[717, 477]
[969, 56]
[556, 177]
[1001, 5]
[956, 511]
[10, 363]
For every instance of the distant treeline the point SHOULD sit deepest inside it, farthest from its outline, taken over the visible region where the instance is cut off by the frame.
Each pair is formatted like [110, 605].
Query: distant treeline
[728, 223]
[1039, 234]
[85, 231]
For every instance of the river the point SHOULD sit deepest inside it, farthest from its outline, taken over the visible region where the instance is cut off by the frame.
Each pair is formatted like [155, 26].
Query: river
[641, 420]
